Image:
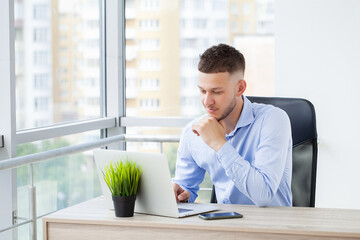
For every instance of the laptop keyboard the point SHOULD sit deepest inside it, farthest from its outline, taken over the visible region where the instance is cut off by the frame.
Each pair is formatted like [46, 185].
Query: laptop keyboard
[181, 210]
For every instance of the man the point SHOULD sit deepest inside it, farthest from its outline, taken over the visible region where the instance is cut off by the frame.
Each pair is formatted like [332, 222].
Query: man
[245, 147]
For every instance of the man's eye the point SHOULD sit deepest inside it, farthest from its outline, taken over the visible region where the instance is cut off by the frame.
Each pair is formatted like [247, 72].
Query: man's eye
[217, 92]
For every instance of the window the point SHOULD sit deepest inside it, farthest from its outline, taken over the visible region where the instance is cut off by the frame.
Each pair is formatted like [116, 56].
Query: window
[189, 62]
[188, 43]
[41, 81]
[199, 4]
[220, 23]
[234, 26]
[58, 71]
[150, 4]
[149, 44]
[41, 12]
[60, 182]
[19, 10]
[149, 104]
[219, 5]
[234, 8]
[150, 64]
[149, 84]
[169, 46]
[58, 56]
[197, 23]
[193, 24]
[41, 104]
[41, 58]
[246, 8]
[41, 35]
[149, 24]
[63, 27]
[246, 27]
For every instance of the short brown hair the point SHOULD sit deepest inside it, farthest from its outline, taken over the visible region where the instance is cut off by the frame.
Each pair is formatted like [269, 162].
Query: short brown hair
[221, 58]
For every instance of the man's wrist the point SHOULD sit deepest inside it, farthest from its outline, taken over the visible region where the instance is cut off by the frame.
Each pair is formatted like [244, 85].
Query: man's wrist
[219, 145]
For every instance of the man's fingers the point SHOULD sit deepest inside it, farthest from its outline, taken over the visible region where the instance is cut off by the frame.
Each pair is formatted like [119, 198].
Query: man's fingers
[184, 197]
[196, 132]
[177, 189]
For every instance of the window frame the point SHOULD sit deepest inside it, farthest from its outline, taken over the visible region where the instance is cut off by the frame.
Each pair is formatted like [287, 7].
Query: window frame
[112, 99]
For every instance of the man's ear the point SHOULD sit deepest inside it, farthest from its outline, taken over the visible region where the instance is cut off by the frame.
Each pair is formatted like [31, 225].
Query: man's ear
[240, 87]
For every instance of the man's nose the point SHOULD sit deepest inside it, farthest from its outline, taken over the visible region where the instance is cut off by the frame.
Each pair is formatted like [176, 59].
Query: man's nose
[208, 99]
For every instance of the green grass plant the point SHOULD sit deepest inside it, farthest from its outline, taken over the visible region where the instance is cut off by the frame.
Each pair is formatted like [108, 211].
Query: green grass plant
[122, 178]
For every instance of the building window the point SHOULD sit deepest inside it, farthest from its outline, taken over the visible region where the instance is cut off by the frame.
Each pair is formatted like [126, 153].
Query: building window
[41, 104]
[246, 27]
[198, 4]
[150, 4]
[197, 23]
[234, 26]
[220, 23]
[189, 62]
[40, 12]
[150, 64]
[218, 5]
[246, 8]
[41, 58]
[92, 43]
[150, 44]
[41, 35]
[41, 81]
[149, 24]
[149, 104]
[188, 43]
[149, 84]
[234, 9]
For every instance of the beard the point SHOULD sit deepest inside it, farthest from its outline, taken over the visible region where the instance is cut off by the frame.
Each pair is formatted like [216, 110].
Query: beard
[228, 110]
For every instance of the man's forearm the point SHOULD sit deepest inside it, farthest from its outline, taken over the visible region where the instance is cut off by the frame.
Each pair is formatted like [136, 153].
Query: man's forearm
[253, 182]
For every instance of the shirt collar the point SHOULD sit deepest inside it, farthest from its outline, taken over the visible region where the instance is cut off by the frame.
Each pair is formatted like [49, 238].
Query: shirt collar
[246, 117]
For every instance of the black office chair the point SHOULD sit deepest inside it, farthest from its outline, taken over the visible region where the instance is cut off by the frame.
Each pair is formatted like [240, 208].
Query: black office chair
[304, 135]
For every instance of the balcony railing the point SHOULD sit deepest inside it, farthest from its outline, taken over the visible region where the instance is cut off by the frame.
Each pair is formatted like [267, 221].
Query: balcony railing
[42, 156]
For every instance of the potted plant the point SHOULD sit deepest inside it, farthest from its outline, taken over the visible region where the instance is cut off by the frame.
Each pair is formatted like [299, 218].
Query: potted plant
[123, 180]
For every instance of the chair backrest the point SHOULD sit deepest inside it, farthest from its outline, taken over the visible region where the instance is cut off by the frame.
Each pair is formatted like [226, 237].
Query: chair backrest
[304, 135]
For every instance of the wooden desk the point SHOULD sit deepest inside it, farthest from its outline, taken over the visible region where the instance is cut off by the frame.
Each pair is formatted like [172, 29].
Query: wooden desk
[91, 220]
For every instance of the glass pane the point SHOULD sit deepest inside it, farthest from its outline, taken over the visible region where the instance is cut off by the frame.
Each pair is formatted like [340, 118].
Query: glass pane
[60, 182]
[57, 61]
[24, 231]
[170, 150]
[163, 43]
[164, 40]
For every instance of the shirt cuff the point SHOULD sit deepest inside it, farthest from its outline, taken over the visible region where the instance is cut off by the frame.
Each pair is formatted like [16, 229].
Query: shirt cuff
[227, 155]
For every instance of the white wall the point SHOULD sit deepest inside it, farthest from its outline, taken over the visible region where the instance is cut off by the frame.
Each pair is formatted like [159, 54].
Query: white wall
[317, 57]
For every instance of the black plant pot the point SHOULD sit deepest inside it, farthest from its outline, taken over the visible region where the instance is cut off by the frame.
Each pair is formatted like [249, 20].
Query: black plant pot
[124, 206]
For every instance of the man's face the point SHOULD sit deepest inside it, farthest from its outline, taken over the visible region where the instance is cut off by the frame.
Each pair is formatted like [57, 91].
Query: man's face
[218, 93]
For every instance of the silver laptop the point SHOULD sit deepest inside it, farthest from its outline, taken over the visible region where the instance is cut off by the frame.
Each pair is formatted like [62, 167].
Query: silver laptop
[156, 195]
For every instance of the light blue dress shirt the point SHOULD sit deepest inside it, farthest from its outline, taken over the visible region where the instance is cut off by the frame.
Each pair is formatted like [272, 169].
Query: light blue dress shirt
[254, 166]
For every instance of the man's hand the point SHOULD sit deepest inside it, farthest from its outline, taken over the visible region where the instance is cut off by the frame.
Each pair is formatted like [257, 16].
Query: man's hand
[180, 194]
[211, 131]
